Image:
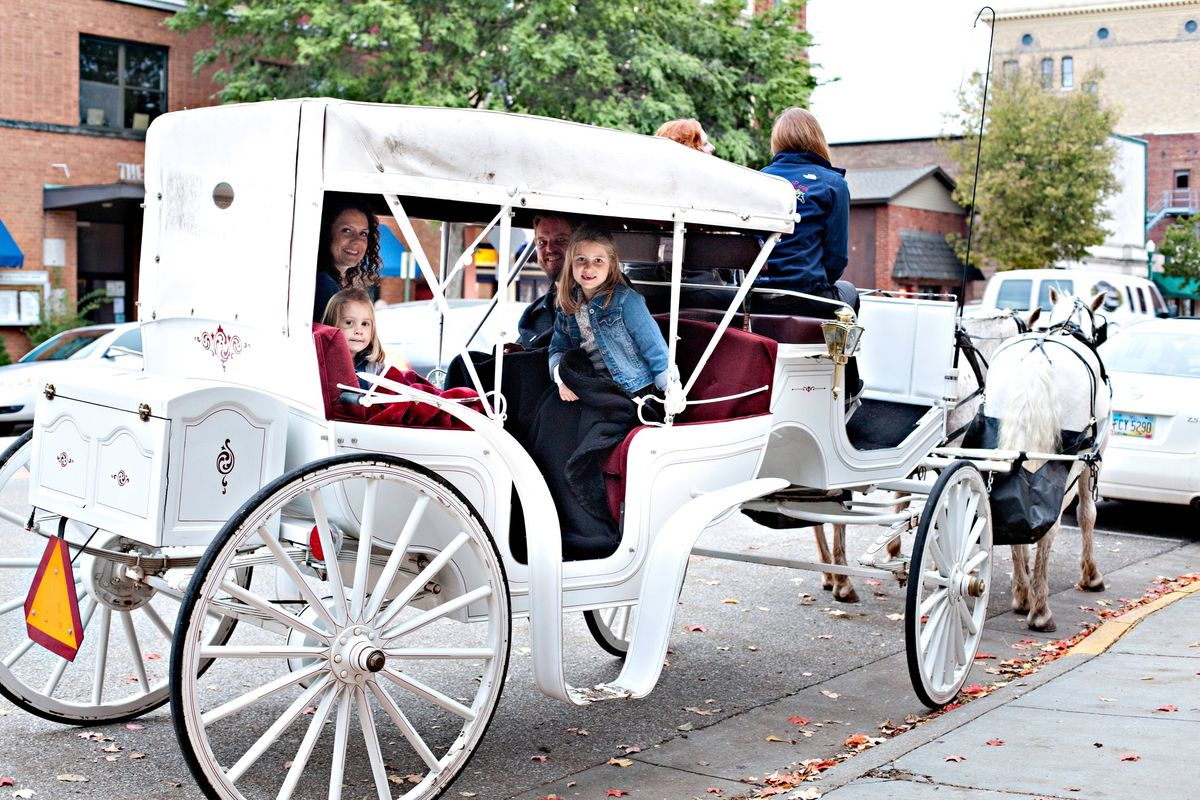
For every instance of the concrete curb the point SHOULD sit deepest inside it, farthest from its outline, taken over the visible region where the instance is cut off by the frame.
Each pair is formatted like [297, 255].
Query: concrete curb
[1111, 631]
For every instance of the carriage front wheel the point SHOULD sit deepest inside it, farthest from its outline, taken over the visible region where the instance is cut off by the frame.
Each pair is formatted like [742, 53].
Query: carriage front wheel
[949, 579]
[384, 671]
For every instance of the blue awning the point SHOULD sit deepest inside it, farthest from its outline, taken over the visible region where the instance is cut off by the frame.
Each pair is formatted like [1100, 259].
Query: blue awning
[392, 253]
[10, 254]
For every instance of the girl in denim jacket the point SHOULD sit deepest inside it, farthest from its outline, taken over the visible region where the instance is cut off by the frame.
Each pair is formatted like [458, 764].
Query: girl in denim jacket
[599, 312]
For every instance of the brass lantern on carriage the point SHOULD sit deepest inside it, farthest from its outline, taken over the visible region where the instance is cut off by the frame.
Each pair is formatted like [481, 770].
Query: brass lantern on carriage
[841, 339]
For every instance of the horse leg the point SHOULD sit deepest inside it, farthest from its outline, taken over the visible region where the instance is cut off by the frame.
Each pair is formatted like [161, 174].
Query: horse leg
[1040, 617]
[843, 589]
[1090, 579]
[824, 554]
[1020, 578]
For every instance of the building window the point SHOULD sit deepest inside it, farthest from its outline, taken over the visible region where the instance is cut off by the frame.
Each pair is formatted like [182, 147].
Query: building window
[1190, 26]
[1102, 34]
[1011, 68]
[121, 84]
[1027, 39]
[1183, 188]
[1047, 73]
[1068, 72]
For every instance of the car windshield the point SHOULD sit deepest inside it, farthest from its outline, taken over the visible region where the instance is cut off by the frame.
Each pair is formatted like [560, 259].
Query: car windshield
[71, 344]
[1158, 353]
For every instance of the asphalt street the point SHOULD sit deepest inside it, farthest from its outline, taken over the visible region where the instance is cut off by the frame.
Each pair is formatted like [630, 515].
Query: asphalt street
[747, 638]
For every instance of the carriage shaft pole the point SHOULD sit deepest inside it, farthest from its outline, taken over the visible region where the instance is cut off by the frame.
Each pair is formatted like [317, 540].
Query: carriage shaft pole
[811, 566]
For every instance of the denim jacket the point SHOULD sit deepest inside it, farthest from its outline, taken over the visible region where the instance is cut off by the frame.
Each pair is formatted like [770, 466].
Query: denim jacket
[626, 335]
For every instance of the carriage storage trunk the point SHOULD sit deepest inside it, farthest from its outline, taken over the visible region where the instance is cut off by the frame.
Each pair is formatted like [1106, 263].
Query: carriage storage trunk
[121, 445]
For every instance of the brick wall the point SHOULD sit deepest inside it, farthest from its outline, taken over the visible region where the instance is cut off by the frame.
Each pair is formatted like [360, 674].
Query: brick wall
[894, 219]
[1165, 155]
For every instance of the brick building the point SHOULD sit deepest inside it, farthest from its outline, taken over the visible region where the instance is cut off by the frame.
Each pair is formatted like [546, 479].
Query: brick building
[1148, 54]
[83, 80]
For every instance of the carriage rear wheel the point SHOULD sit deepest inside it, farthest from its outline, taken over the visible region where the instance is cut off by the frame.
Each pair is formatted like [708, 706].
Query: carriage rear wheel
[120, 670]
[611, 628]
[402, 647]
[949, 580]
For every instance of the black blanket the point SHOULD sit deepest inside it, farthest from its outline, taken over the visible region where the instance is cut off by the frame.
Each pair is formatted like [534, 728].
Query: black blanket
[570, 443]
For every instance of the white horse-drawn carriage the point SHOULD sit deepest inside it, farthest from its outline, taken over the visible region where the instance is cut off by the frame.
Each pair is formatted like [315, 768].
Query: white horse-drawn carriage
[321, 583]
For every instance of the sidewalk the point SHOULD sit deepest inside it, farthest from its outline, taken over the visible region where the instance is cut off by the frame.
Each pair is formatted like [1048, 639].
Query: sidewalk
[1117, 717]
[1069, 730]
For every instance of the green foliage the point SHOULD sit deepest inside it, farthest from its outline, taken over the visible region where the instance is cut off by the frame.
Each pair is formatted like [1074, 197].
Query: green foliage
[618, 63]
[60, 317]
[5, 358]
[1181, 250]
[1046, 169]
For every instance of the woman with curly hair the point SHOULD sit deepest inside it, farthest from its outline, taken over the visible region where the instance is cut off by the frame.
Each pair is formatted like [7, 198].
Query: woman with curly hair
[349, 250]
[688, 132]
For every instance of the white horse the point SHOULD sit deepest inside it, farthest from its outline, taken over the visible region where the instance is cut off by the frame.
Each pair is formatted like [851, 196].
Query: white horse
[1041, 386]
[976, 339]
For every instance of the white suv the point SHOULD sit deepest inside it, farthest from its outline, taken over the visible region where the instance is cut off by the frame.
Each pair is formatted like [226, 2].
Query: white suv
[1130, 299]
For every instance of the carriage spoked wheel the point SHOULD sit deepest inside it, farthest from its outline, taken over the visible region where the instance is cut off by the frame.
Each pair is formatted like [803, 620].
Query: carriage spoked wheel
[383, 672]
[949, 580]
[611, 628]
[120, 670]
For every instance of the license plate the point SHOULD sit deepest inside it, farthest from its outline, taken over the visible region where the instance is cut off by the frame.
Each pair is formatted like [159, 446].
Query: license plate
[1133, 425]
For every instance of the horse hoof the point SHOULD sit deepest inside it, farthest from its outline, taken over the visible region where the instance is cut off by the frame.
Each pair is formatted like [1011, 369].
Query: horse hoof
[1098, 586]
[1046, 627]
[846, 597]
[1020, 608]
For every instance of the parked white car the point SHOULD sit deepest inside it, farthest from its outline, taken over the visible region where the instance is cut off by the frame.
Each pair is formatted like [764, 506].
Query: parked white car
[115, 345]
[412, 331]
[1154, 451]
[1130, 298]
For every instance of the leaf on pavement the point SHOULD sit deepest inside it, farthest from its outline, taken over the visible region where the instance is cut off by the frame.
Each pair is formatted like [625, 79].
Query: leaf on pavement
[539, 758]
[700, 712]
[6, 781]
[830, 695]
[895, 617]
[616, 793]
[774, 738]
[974, 690]
[71, 777]
[621, 762]
[1131, 757]
[1166, 708]
[685, 727]
[872, 582]
[995, 742]
[857, 740]
[134, 726]
[24, 794]
[731, 601]
[983, 656]
[695, 629]
[799, 720]
[136, 756]
[955, 759]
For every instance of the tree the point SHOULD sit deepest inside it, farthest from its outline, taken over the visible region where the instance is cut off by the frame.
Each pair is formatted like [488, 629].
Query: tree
[619, 63]
[1046, 169]
[1181, 250]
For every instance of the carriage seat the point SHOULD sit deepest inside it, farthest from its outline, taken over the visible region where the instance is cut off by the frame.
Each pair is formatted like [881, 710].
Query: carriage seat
[782, 328]
[336, 366]
[741, 361]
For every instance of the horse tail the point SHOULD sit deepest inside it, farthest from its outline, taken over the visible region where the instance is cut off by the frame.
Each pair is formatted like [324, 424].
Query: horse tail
[1031, 418]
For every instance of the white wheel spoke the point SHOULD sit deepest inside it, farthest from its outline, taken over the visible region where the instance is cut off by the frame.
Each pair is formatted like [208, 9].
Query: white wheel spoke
[946, 647]
[931, 628]
[261, 651]
[971, 534]
[101, 656]
[418, 583]
[934, 579]
[436, 613]
[304, 751]
[933, 546]
[264, 742]
[397, 556]
[12, 605]
[931, 602]
[406, 727]
[968, 621]
[949, 529]
[362, 562]
[463, 653]
[341, 732]
[331, 559]
[18, 651]
[432, 695]
[19, 563]
[270, 609]
[976, 561]
[285, 563]
[139, 666]
[366, 721]
[266, 690]
[157, 621]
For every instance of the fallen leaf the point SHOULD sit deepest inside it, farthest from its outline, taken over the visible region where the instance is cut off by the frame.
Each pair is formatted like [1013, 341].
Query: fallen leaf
[23, 793]
[830, 695]
[836, 612]
[983, 656]
[1104, 699]
[1166, 708]
[685, 727]
[753, 648]
[112, 748]
[807, 599]
[6, 781]
[857, 740]
[1146, 678]
[872, 582]
[579, 731]
[713, 790]
[621, 762]
[995, 742]
[616, 793]
[774, 738]
[539, 759]
[955, 759]
[701, 712]
[825, 636]
[152, 656]
[136, 756]
[799, 720]
[71, 777]
[396, 779]
[974, 690]
[1131, 757]
[523, 651]
[309, 710]
[630, 749]
[895, 617]
[695, 629]
[468, 794]
[731, 601]
[134, 726]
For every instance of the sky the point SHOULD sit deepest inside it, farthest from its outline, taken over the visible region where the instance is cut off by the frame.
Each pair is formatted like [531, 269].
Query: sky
[900, 64]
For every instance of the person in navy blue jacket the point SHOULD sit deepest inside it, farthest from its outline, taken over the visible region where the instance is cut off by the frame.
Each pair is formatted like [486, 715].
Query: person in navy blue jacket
[813, 257]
